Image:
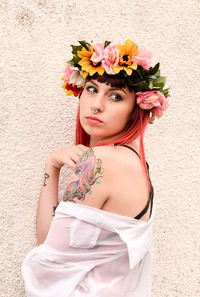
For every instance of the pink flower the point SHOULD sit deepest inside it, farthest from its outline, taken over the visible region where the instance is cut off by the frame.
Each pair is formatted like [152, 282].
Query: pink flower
[143, 58]
[150, 99]
[160, 110]
[111, 58]
[67, 73]
[154, 101]
[77, 79]
[98, 53]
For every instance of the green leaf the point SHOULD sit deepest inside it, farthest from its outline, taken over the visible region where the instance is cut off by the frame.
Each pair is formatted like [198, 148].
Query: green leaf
[76, 48]
[157, 88]
[84, 43]
[140, 72]
[154, 69]
[157, 73]
[141, 86]
[106, 43]
[166, 92]
[71, 62]
[90, 192]
[151, 84]
[76, 59]
[160, 82]
[98, 181]
[142, 83]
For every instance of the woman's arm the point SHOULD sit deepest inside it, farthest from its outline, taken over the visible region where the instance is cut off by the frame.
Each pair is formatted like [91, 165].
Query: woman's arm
[47, 200]
[49, 193]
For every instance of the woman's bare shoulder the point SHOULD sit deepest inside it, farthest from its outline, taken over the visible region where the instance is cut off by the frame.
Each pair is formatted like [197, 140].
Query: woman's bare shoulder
[126, 180]
[116, 150]
[114, 180]
[121, 161]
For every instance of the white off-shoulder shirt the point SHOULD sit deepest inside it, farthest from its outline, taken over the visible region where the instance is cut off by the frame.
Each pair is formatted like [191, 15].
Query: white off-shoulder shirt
[91, 252]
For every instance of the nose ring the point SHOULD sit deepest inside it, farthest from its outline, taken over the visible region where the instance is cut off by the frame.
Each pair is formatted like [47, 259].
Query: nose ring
[95, 111]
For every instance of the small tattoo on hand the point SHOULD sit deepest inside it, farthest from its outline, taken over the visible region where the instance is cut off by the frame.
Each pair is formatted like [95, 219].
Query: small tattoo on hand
[46, 175]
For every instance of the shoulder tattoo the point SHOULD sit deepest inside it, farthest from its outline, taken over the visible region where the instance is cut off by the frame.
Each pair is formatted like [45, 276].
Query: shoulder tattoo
[88, 171]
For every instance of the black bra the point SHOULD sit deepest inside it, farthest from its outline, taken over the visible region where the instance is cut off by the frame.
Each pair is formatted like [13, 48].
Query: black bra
[151, 194]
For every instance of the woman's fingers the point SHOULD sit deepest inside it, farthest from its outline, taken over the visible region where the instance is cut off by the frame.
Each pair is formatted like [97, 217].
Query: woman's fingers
[75, 157]
[82, 147]
[71, 164]
[81, 150]
[74, 154]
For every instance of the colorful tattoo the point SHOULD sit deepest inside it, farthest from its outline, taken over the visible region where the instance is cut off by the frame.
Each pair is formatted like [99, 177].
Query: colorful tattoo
[88, 170]
[46, 175]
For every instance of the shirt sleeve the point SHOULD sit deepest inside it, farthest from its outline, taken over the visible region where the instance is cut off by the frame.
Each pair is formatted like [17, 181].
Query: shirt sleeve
[59, 264]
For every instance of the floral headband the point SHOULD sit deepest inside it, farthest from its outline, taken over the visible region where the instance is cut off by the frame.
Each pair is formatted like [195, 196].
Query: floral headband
[113, 58]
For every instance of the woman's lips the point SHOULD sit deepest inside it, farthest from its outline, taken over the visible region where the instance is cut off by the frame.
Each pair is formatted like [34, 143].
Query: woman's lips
[93, 120]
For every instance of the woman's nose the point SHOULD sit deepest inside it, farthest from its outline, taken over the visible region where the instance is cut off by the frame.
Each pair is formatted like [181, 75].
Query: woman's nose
[98, 102]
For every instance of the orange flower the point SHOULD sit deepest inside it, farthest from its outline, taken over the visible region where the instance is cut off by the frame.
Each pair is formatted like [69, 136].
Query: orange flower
[126, 53]
[72, 89]
[87, 64]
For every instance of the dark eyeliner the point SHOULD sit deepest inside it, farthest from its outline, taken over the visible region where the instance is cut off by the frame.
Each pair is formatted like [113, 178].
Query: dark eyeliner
[118, 97]
[90, 86]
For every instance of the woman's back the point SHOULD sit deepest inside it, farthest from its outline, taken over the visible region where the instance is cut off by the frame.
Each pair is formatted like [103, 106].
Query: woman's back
[122, 187]
[130, 194]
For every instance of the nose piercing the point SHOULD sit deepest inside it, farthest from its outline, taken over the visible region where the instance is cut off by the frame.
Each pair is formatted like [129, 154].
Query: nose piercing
[95, 111]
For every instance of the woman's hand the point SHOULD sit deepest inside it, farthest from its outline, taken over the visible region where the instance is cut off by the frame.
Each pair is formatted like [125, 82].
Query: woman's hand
[66, 156]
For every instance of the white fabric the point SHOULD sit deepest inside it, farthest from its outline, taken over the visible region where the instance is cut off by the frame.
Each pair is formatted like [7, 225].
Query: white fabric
[91, 252]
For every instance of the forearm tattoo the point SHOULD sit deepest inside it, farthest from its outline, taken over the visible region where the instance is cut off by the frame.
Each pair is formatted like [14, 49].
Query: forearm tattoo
[46, 175]
[54, 209]
[88, 170]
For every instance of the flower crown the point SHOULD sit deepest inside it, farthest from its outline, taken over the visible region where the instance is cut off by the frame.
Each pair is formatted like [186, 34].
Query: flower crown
[112, 58]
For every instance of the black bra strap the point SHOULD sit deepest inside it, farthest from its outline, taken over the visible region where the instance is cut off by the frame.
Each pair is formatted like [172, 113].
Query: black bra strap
[151, 192]
[134, 151]
[130, 148]
[146, 207]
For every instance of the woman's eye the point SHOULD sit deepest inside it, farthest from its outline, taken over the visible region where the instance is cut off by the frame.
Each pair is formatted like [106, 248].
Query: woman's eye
[91, 89]
[116, 97]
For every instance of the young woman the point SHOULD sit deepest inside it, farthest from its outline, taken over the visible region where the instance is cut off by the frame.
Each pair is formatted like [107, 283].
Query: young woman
[99, 243]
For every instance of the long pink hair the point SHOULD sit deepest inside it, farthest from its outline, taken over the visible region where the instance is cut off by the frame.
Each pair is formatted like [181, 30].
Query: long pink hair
[137, 127]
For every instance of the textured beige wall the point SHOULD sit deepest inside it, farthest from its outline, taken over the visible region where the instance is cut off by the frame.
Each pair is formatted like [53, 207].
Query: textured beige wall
[37, 117]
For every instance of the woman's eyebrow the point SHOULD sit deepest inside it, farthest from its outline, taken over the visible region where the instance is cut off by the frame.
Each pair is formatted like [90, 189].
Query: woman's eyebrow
[91, 81]
[112, 88]
[119, 89]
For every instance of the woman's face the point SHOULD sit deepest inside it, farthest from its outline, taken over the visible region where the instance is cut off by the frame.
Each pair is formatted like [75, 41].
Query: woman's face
[114, 106]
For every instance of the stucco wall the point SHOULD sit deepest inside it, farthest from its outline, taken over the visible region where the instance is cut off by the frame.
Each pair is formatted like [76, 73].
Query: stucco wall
[37, 117]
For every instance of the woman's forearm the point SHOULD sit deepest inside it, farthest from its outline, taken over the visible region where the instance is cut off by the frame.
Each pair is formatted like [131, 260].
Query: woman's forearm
[47, 201]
